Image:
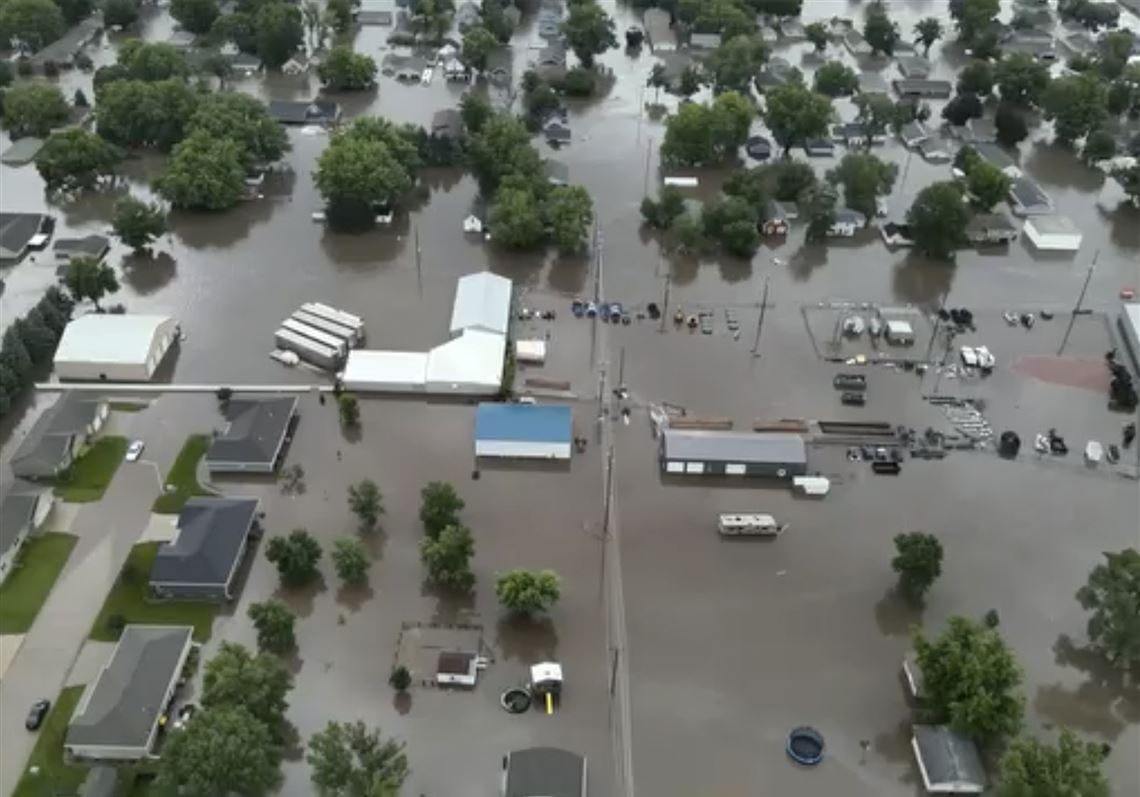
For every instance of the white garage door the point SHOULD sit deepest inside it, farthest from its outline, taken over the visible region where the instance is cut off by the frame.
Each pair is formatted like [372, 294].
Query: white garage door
[694, 467]
[674, 467]
[735, 469]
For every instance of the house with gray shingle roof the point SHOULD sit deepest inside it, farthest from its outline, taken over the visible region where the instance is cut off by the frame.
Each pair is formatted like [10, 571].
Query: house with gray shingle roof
[254, 436]
[56, 438]
[18, 233]
[202, 561]
[119, 715]
[21, 514]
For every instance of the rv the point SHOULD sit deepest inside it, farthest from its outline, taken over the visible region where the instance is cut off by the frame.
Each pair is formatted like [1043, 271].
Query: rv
[751, 525]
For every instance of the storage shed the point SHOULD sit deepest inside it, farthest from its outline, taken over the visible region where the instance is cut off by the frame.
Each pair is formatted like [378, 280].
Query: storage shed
[700, 452]
[544, 772]
[530, 351]
[116, 348]
[523, 431]
[949, 762]
[385, 371]
[483, 302]
[1053, 233]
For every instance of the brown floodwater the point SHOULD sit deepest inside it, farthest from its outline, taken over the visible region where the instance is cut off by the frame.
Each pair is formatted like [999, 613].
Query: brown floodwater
[728, 645]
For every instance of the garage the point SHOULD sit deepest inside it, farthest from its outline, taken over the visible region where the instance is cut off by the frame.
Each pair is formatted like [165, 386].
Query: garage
[523, 431]
[114, 348]
[713, 453]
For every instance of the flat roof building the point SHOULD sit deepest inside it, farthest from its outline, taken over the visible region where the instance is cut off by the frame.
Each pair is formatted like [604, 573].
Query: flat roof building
[114, 348]
[385, 371]
[733, 453]
[469, 365]
[119, 715]
[483, 302]
[544, 772]
[254, 437]
[1053, 233]
[201, 562]
[525, 431]
[948, 762]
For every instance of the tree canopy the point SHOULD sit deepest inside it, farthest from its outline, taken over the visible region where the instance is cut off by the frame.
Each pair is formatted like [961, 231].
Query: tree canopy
[33, 23]
[864, 178]
[938, 220]
[971, 680]
[973, 17]
[516, 216]
[836, 79]
[152, 61]
[1076, 104]
[440, 507]
[880, 32]
[350, 560]
[816, 33]
[1112, 595]
[500, 148]
[366, 502]
[1009, 125]
[987, 184]
[589, 31]
[928, 31]
[447, 558]
[244, 120]
[1070, 768]
[196, 16]
[367, 166]
[278, 32]
[275, 626]
[345, 70]
[136, 223]
[568, 212]
[296, 557]
[33, 108]
[795, 114]
[478, 44]
[87, 278]
[976, 78]
[700, 133]
[75, 159]
[137, 113]
[257, 682]
[222, 750]
[120, 13]
[1021, 79]
[918, 561]
[736, 63]
[349, 760]
[205, 173]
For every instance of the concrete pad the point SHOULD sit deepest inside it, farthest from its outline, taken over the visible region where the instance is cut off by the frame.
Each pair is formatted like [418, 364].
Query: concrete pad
[160, 528]
[61, 517]
[93, 657]
[9, 646]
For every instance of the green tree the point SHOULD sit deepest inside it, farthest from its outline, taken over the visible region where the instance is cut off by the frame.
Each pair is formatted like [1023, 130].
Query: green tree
[366, 502]
[791, 180]
[876, 114]
[777, 8]
[817, 34]
[136, 223]
[987, 185]
[879, 31]
[349, 760]
[344, 70]
[87, 278]
[731, 222]
[589, 31]
[568, 212]
[239, 27]
[973, 17]
[794, 114]
[478, 44]
[918, 561]
[528, 591]
[668, 207]
[400, 679]
[295, 557]
[976, 78]
[245, 121]
[259, 683]
[938, 220]
[367, 166]
[279, 32]
[1031, 768]
[818, 207]
[38, 337]
[341, 13]
[1129, 179]
[196, 16]
[475, 110]
[75, 159]
[447, 558]
[75, 11]
[274, 624]
[120, 13]
[440, 506]
[864, 178]
[735, 64]
[33, 108]
[222, 750]
[689, 136]
[33, 23]
[348, 410]
[135, 113]
[971, 680]
[690, 81]
[1099, 146]
[1112, 594]
[14, 355]
[1010, 125]
[516, 215]
[928, 31]
[350, 560]
[1076, 104]
[152, 61]
[835, 79]
[1021, 79]
[205, 173]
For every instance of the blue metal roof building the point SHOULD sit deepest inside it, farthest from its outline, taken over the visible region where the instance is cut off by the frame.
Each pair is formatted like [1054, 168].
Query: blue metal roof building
[530, 431]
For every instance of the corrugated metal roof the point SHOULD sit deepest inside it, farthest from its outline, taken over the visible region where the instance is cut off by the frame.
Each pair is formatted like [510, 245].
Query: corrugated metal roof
[482, 301]
[109, 338]
[530, 423]
[743, 447]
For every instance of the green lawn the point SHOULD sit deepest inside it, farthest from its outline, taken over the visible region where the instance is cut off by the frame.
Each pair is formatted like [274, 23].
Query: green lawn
[53, 775]
[130, 600]
[88, 477]
[24, 591]
[184, 476]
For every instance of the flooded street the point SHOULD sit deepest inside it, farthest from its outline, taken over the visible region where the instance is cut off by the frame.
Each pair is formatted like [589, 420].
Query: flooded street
[728, 645]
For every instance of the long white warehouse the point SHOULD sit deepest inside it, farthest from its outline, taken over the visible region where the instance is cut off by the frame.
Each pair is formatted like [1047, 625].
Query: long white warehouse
[114, 348]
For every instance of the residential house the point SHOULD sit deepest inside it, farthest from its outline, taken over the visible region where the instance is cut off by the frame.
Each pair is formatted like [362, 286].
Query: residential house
[767, 34]
[255, 435]
[913, 134]
[896, 235]
[855, 43]
[854, 134]
[57, 437]
[1027, 199]
[473, 224]
[776, 72]
[775, 220]
[556, 129]
[556, 172]
[181, 40]
[913, 66]
[62, 51]
[95, 246]
[659, 30]
[454, 69]
[934, 150]
[22, 151]
[447, 123]
[789, 210]
[300, 112]
[792, 30]
[923, 88]
[202, 561]
[819, 148]
[467, 15]
[21, 233]
[998, 158]
[21, 515]
[847, 223]
[120, 716]
[551, 63]
[298, 64]
[244, 63]
[991, 228]
[872, 83]
[948, 762]
[1039, 44]
[500, 69]
[704, 41]
[379, 17]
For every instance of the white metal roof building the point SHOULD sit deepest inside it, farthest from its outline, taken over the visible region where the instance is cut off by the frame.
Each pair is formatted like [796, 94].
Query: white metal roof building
[1053, 234]
[482, 301]
[1129, 323]
[116, 348]
[469, 365]
[385, 371]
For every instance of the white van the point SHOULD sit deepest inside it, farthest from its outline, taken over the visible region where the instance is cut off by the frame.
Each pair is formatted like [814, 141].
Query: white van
[750, 525]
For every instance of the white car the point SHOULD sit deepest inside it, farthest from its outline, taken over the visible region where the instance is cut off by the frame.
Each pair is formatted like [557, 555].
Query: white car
[969, 356]
[134, 450]
[986, 359]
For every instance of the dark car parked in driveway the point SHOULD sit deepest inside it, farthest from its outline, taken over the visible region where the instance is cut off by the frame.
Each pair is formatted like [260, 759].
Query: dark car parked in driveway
[36, 714]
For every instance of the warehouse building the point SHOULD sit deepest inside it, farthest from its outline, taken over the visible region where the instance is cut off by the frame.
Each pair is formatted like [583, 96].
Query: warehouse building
[523, 431]
[700, 452]
[1129, 323]
[115, 348]
[483, 302]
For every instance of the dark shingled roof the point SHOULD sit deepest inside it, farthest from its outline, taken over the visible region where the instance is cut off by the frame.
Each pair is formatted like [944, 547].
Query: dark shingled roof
[947, 757]
[16, 229]
[211, 533]
[45, 448]
[17, 510]
[255, 432]
[101, 781]
[545, 772]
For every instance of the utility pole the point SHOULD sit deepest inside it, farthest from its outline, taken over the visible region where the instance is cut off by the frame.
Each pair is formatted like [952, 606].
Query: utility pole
[621, 368]
[419, 269]
[665, 303]
[760, 320]
[1080, 301]
[648, 155]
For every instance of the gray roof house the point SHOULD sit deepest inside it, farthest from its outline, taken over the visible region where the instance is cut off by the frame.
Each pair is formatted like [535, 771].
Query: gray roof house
[855, 43]
[544, 772]
[698, 452]
[659, 30]
[119, 715]
[447, 123]
[95, 246]
[872, 83]
[991, 228]
[819, 147]
[704, 41]
[17, 234]
[920, 87]
[21, 513]
[467, 15]
[949, 762]
[57, 436]
[913, 134]
[914, 66]
[202, 561]
[556, 130]
[300, 112]
[997, 157]
[1027, 199]
[255, 435]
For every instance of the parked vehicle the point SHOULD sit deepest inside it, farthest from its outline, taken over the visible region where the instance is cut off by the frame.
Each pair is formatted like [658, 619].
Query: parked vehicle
[853, 399]
[849, 382]
[888, 468]
[969, 356]
[36, 714]
[749, 525]
[134, 450]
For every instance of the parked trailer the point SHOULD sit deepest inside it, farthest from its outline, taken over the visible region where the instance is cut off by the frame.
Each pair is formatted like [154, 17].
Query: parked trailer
[355, 323]
[316, 335]
[331, 327]
[749, 525]
[308, 350]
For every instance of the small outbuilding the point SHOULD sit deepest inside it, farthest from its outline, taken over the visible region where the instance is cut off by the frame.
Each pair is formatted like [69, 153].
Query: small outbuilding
[544, 772]
[913, 66]
[96, 246]
[457, 668]
[532, 352]
[991, 228]
[948, 762]
[1027, 199]
[1053, 233]
[114, 348]
[899, 332]
[523, 431]
[716, 453]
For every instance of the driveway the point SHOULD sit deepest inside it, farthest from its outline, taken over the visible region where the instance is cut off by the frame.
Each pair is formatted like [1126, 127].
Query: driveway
[106, 530]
